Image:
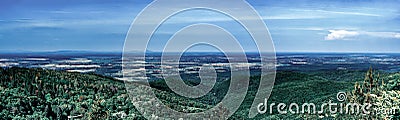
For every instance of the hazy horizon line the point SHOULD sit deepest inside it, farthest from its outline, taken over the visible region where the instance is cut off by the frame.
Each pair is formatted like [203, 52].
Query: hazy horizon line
[94, 51]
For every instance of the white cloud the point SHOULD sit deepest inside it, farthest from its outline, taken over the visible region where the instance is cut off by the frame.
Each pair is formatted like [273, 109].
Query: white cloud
[292, 17]
[303, 28]
[341, 35]
[383, 34]
[397, 35]
[60, 12]
[289, 14]
[347, 35]
[349, 13]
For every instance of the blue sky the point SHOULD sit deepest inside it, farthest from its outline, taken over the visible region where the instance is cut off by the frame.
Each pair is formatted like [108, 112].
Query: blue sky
[295, 25]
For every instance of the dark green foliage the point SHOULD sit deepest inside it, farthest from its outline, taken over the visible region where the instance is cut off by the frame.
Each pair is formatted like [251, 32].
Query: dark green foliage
[340, 75]
[47, 94]
[37, 93]
[394, 82]
[293, 87]
[382, 95]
